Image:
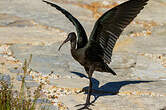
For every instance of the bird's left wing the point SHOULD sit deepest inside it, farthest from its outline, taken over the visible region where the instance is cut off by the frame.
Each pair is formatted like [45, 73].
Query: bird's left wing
[109, 26]
[82, 37]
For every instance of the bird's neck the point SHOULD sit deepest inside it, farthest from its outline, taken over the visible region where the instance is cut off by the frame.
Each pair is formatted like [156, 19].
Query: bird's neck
[73, 45]
[73, 49]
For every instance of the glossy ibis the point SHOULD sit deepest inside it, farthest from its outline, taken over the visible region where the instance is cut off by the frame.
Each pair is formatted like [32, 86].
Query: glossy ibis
[96, 53]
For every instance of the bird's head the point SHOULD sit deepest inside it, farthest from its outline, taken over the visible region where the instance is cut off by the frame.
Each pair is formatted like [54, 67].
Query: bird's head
[71, 37]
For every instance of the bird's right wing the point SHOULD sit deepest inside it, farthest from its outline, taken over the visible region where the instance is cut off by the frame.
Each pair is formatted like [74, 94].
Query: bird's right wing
[109, 26]
[82, 37]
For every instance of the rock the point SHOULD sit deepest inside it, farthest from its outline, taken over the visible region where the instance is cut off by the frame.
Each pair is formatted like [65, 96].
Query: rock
[61, 62]
[5, 78]
[146, 68]
[5, 19]
[27, 78]
[49, 58]
[21, 23]
[16, 70]
[43, 101]
[14, 21]
[31, 84]
[153, 11]
[34, 35]
[113, 102]
[122, 60]
[45, 14]
[49, 107]
[137, 45]
[70, 83]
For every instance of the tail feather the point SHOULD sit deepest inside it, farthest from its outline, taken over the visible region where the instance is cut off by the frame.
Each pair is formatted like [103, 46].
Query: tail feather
[108, 69]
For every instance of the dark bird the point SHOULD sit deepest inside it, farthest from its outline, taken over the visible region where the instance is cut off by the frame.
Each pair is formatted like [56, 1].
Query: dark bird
[94, 54]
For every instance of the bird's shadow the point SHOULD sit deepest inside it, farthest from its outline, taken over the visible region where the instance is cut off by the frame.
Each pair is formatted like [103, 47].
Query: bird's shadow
[110, 88]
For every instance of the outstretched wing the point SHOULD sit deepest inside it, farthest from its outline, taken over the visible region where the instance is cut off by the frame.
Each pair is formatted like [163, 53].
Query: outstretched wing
[82, 37]
[110, 25]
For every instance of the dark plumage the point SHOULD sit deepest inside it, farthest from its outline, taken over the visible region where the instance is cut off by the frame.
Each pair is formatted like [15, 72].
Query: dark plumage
[96, 53]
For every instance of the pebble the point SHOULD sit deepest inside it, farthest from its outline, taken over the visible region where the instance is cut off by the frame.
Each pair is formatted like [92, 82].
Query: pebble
[49, 107]
[31, 84]
[27, 78]
[6, 78]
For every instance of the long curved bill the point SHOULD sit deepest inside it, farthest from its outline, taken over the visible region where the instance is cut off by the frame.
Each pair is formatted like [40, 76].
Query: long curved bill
[61, 46]
[66, 40]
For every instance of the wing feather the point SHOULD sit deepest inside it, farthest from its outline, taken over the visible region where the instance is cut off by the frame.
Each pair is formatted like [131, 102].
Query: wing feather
[110, 25]
[82, 37]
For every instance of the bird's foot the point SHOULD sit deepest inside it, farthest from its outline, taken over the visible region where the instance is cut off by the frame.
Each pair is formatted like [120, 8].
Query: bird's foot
[81, 91]
[85, 106]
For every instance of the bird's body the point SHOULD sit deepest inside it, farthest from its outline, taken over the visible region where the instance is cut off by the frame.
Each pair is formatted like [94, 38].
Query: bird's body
[86, 57]
[95, 53]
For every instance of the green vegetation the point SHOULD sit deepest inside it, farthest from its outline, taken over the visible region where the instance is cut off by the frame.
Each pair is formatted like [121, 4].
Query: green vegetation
[11, 99]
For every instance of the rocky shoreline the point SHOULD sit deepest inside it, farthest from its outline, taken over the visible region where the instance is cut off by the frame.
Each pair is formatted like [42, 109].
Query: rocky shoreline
[139, 57]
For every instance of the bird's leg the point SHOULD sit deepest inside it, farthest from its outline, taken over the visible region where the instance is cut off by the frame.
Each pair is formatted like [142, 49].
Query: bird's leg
[86, 105]
[89, 91]
[90, 72]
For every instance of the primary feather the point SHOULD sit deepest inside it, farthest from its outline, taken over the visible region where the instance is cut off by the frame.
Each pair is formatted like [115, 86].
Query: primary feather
[111, 24]
[82, 37]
